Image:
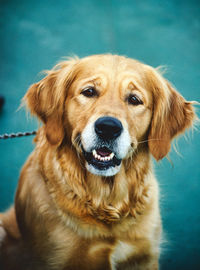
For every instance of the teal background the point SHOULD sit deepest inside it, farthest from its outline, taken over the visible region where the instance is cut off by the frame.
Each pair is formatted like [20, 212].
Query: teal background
[35, 34]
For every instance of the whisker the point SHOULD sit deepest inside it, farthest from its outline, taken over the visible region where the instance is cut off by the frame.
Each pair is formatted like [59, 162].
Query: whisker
[150, 140]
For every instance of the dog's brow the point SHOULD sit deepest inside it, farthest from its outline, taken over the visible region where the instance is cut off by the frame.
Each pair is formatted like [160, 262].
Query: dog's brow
[92, 79]
[131, 83]
[96, 81]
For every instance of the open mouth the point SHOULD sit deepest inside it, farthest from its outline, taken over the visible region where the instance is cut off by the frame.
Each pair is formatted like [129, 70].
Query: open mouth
[103, 154]
[102, 158]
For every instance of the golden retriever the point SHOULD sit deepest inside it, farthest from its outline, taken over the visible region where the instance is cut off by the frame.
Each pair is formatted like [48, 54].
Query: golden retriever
[87, 197]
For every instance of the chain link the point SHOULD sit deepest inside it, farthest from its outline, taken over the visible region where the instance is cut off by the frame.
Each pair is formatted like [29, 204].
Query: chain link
[17, 135]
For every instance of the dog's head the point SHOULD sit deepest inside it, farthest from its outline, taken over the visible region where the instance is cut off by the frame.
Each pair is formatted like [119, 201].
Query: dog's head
[106, 106]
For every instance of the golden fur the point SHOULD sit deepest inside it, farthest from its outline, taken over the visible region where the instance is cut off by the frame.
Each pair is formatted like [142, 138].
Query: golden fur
[68, 218]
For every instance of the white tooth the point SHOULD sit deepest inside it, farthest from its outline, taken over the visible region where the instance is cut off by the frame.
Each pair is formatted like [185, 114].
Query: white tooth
[94, 152]
[111, 155]
[99, 157]
[107, 158]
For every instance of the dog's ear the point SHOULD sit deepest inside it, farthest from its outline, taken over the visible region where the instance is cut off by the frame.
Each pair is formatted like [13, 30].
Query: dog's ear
[172, 114]
[46, 98]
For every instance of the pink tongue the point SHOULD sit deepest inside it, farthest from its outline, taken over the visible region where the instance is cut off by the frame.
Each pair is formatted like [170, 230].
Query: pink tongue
[103, 152]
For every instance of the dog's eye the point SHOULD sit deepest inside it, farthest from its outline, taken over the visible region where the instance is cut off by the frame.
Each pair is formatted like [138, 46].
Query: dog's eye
[89, 92]
[134, 100]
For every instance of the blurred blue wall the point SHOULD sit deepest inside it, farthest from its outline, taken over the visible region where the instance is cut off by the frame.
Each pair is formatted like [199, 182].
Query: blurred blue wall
[35, 34]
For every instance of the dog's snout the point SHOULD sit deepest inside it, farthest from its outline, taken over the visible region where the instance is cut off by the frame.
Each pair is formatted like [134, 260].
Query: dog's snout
[108, 128]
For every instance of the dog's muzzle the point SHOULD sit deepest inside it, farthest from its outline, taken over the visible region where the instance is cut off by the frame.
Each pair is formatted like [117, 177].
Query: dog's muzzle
[102, 145]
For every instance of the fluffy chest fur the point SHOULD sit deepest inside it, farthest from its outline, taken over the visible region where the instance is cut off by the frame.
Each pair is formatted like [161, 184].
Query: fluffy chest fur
[101, 224]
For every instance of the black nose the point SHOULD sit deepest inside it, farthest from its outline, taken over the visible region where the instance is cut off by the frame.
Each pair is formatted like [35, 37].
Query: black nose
[108, 128]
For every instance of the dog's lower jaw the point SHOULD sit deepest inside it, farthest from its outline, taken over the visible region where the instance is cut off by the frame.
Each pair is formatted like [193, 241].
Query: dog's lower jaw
[111, 171]
[105, 164]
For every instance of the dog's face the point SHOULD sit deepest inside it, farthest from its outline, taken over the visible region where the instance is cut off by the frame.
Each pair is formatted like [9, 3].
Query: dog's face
[109, 112]
[106, 106]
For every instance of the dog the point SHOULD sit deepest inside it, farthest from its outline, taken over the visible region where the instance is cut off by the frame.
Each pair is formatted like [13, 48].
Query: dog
[87, 197]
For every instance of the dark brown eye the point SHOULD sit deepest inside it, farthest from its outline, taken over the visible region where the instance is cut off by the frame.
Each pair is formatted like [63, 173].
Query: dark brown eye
[134, 100]
[89, 92]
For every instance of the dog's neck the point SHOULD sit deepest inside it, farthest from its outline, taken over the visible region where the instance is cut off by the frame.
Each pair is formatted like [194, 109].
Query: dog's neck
[109, 199]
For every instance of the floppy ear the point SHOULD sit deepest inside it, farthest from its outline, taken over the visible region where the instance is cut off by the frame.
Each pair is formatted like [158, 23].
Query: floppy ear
[46, 98]
[172, 114]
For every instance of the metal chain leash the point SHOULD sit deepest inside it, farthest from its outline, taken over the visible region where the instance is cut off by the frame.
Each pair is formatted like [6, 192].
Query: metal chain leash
[18, 134]
[13, 135]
